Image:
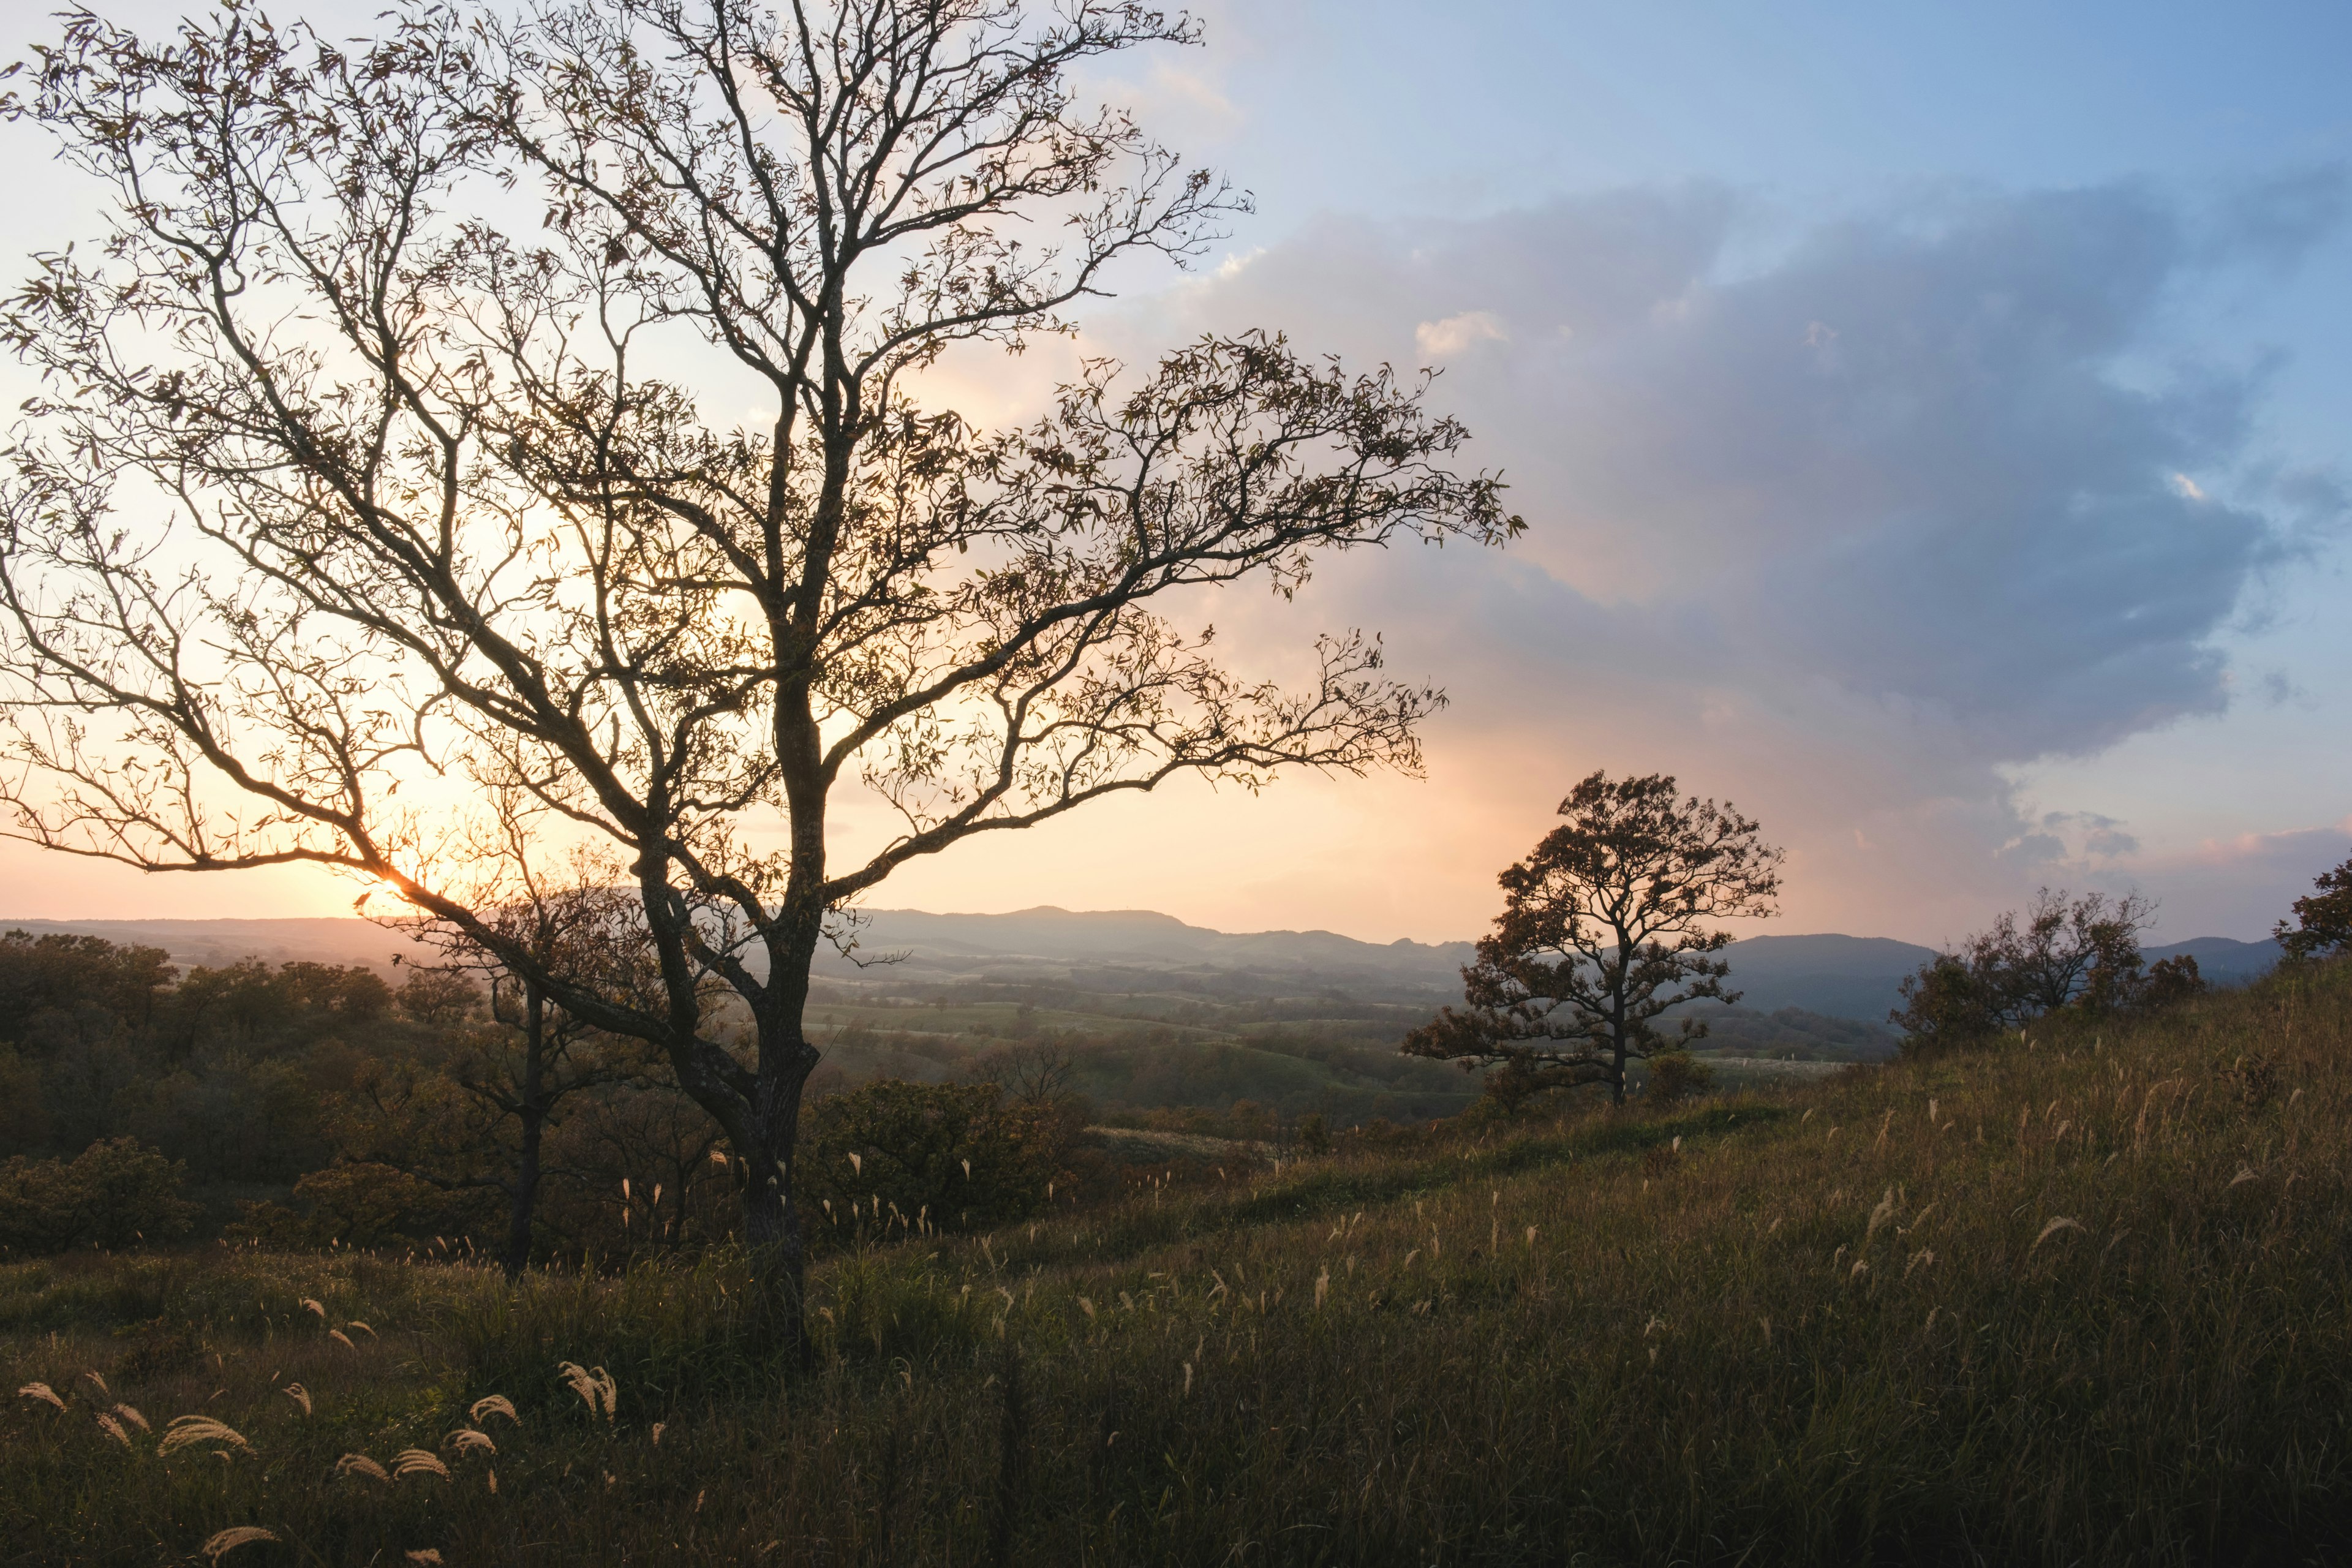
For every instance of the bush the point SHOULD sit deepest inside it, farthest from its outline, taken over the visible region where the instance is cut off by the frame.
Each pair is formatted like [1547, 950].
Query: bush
[951, 1155]
[114, 1193]
[356, 1204]
[2077, 954]
[1312, 1133]
[1676, 1076]
[2171, 980]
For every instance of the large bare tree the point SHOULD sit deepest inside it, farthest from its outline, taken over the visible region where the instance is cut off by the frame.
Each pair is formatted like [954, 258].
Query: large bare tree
[392, 441]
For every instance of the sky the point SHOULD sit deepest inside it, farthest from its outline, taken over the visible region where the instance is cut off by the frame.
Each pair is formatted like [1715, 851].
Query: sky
[1930, 422]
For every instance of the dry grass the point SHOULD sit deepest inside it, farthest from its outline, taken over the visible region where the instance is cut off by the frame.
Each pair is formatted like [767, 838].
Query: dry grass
[2080, 1301]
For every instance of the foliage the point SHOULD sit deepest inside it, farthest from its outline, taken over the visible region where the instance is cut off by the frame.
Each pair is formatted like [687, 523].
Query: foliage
[952, 1157]
[113, 1194]
[2172, 981]
[2080, 953]
[1676, 1076]
[226, 1070]
[347, 1203]
[1605, 928]
[2323, 918]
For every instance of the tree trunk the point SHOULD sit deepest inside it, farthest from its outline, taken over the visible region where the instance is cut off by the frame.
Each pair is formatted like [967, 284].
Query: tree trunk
[535, 1122]
[772, 1220]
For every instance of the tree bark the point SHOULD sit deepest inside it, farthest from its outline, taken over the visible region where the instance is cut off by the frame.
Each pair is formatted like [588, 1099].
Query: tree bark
[534, 1121]
[772, 1220]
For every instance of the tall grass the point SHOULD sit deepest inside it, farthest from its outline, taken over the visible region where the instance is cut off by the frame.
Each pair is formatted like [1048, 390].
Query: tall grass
[2078, 1298]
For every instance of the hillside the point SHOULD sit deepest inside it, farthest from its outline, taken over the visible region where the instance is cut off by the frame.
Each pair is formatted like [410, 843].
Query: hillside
[1834, 976]
[2072, 1299]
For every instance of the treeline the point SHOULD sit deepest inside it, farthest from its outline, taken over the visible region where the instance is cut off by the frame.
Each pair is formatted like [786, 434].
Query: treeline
[317, 1105]
[2080, 955]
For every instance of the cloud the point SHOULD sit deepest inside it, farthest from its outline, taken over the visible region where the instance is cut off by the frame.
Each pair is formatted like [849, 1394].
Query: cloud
[1904, 455]
[1852, 522]
[1440, 340]
[2242, 886]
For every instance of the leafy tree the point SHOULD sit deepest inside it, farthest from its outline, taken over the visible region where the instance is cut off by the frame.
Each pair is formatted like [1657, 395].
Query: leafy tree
[113, 1194]
[60, 971]
[445, 503]
[2082, 953]
[2323, 918]
[1605, 927]
[2171, 980]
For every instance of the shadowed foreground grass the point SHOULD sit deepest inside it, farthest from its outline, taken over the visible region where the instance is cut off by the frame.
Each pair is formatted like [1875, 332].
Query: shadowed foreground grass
[2084, 1300]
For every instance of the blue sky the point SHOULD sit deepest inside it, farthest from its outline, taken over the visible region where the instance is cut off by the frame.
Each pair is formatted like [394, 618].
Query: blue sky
[1932, 420]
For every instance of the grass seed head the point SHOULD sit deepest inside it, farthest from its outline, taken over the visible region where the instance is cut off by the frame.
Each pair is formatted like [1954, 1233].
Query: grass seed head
[495, 1404]
[1881, 1214]
[228, 1540]
[44, 1392]
[2053, 1228]
[417, 1462]
[595, 1386]
[361, 1465]
[189, 1430]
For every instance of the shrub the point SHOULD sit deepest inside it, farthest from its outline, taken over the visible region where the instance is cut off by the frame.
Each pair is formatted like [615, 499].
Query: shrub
[2081, 954]
[113, 1194]
[896, 1153]
[356, 1204]
[1676, 1076]
[2171, 980]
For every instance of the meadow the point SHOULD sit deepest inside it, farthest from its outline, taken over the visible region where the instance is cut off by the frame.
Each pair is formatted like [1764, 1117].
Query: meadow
[2077, 1297]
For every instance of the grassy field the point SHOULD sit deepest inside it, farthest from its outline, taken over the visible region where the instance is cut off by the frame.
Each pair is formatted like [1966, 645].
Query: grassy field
[2078, 1299]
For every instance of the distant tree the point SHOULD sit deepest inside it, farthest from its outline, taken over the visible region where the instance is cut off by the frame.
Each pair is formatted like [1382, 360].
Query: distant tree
[2082, 953]
[438, 996]
[2171, 980]
[56, 972]
[2322, 919]
[534, 1054]
[1605, 927]
[417, 500]
[1034, 1073]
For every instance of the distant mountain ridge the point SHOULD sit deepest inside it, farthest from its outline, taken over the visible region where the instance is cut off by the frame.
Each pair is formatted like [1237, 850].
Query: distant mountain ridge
[1835, 975]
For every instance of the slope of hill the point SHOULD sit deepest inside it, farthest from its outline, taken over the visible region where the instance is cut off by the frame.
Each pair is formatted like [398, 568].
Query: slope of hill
[323, 939]
[2082, 1302]
[2221, 960]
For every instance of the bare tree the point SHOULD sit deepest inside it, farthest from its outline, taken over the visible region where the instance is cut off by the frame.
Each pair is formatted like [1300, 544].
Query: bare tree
[420, 504]
[1604, 927]
[539, 1053]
